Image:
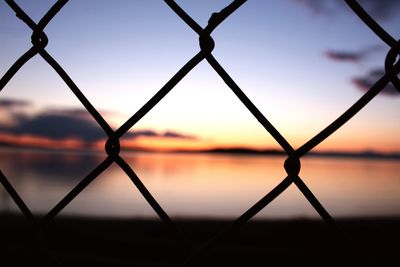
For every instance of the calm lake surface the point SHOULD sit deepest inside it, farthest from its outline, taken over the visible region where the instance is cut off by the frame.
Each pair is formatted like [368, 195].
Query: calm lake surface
[201, 185]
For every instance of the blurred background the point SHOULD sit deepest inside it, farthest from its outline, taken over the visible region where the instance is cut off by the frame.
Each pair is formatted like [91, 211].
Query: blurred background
[301, 62]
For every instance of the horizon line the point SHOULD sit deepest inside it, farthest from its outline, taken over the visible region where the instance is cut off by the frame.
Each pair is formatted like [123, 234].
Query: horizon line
[234, 150]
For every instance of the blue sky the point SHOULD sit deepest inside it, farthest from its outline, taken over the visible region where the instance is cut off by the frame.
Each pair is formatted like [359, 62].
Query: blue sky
[285, 55]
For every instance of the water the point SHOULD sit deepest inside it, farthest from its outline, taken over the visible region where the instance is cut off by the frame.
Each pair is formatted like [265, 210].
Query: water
[201, 185]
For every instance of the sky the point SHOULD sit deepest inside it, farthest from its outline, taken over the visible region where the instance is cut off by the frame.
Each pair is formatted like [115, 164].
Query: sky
[301, 62]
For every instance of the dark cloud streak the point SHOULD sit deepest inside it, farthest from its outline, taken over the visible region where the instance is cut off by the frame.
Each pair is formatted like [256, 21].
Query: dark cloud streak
[62, 124]
[12, 103]
[317, 6]
[383, 9]
[170, 134]
[344, 56]
[151, 133]
[57, 127]
[379, 9]
[366, 82]
[352, 56]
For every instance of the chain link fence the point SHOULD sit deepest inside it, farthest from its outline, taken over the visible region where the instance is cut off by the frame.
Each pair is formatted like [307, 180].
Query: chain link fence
[292, 164]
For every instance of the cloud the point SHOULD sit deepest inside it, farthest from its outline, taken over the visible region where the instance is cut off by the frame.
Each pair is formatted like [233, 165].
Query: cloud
[151, 133]
[344, 56]
[383, 9]
[56, 126]
[379, 9]
[318, 6]
[366, 82]
[170, 134]
[60, 124]
[12, 103]
[352, 56]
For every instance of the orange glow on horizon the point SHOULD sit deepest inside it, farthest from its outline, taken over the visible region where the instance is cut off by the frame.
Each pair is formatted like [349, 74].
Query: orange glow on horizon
[337, 142]
[165, 144]
[29, 140]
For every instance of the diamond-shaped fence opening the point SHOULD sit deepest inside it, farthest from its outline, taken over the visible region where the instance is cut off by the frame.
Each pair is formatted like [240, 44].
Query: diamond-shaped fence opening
[292, 164]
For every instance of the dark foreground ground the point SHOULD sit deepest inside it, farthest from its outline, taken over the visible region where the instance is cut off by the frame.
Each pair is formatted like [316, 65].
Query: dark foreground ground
[101, 242]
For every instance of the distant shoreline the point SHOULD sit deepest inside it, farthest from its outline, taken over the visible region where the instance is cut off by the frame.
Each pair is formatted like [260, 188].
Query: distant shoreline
[271, 152]
[221, 151]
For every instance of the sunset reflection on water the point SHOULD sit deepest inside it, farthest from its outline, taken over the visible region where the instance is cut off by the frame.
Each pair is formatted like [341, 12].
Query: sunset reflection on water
[201, 185]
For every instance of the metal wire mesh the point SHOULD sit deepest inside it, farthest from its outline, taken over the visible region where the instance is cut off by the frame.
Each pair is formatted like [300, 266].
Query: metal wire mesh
[112, 147]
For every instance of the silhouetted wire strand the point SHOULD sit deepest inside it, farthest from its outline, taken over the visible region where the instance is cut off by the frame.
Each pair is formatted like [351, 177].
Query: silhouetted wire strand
[239, 222]
[17, 199]
[215, 20]
[143, 190]
[159, 95]
[175, 79]
[17, 65]
[213, 23]
[149, 198]
[346, 116]
[371, 23]
[184, 16]
[31, 24]
[219, 17]
[82, 98]
[313, 200]
[26, 212]
[51, 13]
[21, 14]
[261, 204]
[43, 22]
[39, 40]
[249, 105]
[76, 190]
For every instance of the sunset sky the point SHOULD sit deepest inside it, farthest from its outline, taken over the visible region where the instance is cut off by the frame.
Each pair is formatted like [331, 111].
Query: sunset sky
[301, 62]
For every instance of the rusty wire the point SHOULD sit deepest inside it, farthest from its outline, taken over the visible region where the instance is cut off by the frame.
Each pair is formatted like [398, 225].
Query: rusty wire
[292, 164]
